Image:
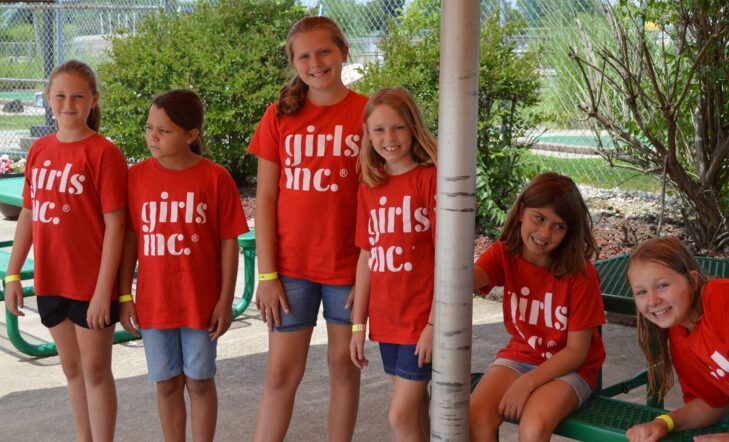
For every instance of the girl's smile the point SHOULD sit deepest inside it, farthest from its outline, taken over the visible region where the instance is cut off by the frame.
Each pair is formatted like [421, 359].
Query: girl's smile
[662, 295]
[318, 60]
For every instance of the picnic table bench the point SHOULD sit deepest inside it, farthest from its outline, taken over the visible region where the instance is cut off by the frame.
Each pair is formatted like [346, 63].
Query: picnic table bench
[604, 418]
[246, 241]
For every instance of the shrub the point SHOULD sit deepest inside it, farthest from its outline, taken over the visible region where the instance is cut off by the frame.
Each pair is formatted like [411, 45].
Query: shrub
[231, 53]
[508, 84]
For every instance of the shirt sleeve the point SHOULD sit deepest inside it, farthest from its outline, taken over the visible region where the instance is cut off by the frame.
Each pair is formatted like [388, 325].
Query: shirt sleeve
[231, 216]
[491, 262]
[266, 140]
[112, 178]
[362, 234]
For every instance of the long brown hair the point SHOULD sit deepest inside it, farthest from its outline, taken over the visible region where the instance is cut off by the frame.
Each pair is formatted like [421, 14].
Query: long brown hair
[652, 339]
[559, 192]
[82, 69]
[424, 146]
[185, 108]
[292, 96]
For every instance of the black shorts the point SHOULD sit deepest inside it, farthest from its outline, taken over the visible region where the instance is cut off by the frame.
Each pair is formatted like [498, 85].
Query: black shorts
[55, 309]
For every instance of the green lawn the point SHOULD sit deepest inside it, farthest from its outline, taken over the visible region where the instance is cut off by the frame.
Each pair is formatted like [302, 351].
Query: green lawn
[594, 171]
[20, 122]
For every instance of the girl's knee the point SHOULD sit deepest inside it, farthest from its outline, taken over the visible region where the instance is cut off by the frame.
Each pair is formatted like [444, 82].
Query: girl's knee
[200, 387]
[483, 423]
[282, 376]
[170, 387]
[72, 369]
[403, 420]
[342, 369]
[97, 371]
[535, 428]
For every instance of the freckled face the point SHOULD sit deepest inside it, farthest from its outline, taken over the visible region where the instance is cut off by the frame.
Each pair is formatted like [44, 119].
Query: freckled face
[662, 295]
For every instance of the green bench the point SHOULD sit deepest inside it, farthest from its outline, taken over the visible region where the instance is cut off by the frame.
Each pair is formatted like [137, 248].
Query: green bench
[604, 418]
[246, 241]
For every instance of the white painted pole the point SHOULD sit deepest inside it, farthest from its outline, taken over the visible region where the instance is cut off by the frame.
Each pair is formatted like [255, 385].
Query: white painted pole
[455, 222]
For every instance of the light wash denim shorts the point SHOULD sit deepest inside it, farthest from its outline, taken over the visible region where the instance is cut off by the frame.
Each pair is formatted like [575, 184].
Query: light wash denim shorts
[580, 386]
[174, 351]
[304, 298]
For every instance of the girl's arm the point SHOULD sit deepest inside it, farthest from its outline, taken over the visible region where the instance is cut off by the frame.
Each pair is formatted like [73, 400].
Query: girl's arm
[222, 314]
[695, 414]
[480, 278]
[270, 293]
[98, 315]
[424, 347]
[21, 246]
[127, 310]
[360, 309]
[567, 360]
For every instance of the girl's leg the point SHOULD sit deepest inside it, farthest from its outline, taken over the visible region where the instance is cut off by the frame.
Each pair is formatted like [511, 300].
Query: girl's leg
[98, 380]
[344, 379]
[545, 409]
[408, 413]
[171, 408]
[203, 408]
[64, 335]
[484, 417]
[287, 353]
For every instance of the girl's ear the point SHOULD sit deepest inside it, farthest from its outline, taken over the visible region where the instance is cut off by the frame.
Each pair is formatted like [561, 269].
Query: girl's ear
[364, 128]
[345, 53]
[192, 135]
[96, 100]
[693, 277]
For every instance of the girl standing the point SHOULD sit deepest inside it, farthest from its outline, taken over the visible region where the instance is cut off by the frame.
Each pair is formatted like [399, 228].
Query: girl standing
[396, 235]
[682, 325]
[552, 308]
[307, 146]
[75, 177]
[185, 216]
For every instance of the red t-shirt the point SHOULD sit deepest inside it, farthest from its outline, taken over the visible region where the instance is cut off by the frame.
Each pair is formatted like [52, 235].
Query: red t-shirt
[69, 187]
[180, 218]
[396, 224]
[539, 309]
[317, 151]
[701, 357]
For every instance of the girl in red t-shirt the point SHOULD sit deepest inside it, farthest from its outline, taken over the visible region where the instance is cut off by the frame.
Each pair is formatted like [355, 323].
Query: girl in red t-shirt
[307, 145]
[184, 220]
[552, 309]
[75, 178]
[396, 235]
[682, 325]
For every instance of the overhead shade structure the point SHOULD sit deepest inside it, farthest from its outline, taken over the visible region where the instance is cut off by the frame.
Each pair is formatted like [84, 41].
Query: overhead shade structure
[455, 219]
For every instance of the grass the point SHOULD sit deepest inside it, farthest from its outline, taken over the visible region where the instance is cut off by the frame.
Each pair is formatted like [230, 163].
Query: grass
[594, 172]
[20, 122]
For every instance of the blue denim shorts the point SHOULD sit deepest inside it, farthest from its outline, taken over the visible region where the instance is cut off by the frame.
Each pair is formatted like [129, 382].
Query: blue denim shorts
[400, 360]
[304, 298]
[173, 351]
[580, 386]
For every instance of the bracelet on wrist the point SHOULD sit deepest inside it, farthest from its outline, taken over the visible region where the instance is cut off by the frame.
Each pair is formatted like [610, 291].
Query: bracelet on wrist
[11, 278]
[359, 327]
[126, 298]
[267, 276]
[668, 420]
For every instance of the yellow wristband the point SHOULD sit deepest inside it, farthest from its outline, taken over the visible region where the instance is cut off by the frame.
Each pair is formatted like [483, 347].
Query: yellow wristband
[267, 276]
[359, 327]
[668, 420]
[12, 278]
[126, 298]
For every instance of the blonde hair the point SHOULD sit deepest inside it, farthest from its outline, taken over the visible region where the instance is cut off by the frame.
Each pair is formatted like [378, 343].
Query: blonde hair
[83, 70]
[292, 95]
[652, 339]
[424, 147]
[559, 192]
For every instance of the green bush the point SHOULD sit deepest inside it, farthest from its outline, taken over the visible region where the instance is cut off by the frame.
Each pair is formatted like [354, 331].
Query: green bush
[230, 53]
[508, 83]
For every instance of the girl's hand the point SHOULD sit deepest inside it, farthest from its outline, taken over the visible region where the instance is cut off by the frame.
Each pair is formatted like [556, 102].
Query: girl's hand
[513, 401]
[718, 437]
[647, 432]
[424, 348]
[128, 317]
[220, 320]
[350, 300]
[14, 298]
[269, 295]
[356, 350]
[98, 315]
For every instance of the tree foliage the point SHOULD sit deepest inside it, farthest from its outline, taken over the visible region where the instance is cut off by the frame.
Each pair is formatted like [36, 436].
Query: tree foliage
[508, 83]
[230, 53]
[659, 88]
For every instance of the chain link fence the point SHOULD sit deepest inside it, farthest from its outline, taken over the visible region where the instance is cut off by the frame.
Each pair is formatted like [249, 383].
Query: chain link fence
[35, 36]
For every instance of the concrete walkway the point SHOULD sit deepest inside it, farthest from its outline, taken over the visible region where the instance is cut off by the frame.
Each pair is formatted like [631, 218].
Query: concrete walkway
[34, 404]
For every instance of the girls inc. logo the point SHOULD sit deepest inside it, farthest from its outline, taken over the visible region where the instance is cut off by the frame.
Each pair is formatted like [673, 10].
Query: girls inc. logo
[60, 180]
[165, 211]
[389, 220]
[310, 145]
[530, 312]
